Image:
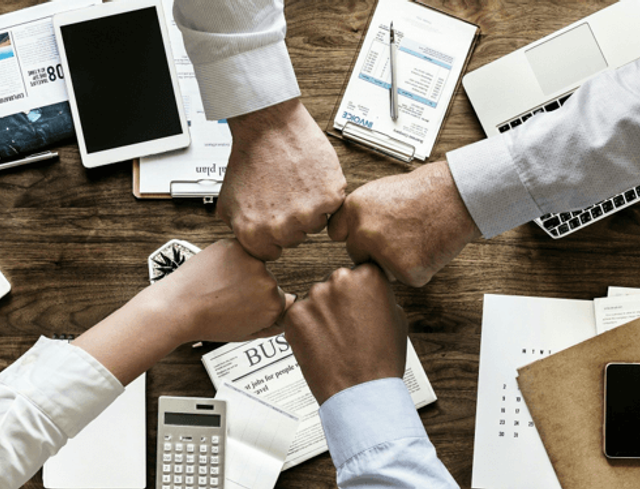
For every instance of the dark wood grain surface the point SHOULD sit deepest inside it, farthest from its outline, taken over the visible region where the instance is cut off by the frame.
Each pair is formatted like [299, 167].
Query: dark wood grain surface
[74, 242]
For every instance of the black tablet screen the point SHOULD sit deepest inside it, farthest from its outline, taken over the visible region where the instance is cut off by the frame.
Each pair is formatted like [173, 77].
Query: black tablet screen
[121, 80]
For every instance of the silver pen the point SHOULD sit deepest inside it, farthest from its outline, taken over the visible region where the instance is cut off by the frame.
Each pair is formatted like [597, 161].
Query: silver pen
[392, 68]
[47, 155]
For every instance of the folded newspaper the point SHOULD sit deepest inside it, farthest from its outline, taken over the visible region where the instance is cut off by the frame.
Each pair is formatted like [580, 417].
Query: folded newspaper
[268, 369]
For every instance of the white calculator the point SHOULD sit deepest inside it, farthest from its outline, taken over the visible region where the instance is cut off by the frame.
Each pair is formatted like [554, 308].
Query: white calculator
[192, 434]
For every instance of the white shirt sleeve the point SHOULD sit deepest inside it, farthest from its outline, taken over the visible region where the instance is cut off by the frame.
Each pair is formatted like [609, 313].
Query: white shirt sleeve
[239, 55]
[46, 397]
[568, 159]
[377, 440]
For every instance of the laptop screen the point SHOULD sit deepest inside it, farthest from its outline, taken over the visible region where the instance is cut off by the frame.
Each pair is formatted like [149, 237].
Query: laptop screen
[561, 62]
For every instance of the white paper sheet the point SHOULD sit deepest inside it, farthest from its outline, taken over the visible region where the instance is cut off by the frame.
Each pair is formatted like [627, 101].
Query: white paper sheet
[110, 452]
[259, 436]
[611, 312]
[508, 452]
[617, 291]
[431, 51]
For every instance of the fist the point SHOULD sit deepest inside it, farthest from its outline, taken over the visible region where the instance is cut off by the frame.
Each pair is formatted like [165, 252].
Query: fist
[282, 181]
[411, 225]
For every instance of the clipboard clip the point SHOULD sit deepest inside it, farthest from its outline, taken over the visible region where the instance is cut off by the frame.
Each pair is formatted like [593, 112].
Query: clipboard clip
[379, 142]
[206, 189]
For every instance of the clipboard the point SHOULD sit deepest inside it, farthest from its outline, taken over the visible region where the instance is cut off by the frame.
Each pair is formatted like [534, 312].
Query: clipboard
[207, 189]
[354, 126]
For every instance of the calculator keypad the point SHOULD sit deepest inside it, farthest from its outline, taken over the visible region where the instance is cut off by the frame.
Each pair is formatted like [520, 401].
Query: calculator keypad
[191, 465]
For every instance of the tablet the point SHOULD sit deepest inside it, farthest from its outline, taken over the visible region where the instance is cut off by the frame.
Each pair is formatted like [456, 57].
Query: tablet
[122, 84]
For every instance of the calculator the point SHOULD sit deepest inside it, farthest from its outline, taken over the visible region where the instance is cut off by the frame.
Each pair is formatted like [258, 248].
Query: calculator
[192, 434]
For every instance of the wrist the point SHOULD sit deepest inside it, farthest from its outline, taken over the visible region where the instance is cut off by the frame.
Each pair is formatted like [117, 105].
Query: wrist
[155, 306]
[439, 179]
[274, 119]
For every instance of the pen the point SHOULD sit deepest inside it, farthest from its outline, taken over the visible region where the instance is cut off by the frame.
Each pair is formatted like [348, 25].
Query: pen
[392, 68]
[47, 155]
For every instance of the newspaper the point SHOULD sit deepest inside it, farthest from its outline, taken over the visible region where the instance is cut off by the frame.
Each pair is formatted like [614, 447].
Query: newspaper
[31, 75]
[267, 368]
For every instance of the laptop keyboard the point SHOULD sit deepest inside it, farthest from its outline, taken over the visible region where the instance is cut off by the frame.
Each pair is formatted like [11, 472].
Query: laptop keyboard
[561, 224]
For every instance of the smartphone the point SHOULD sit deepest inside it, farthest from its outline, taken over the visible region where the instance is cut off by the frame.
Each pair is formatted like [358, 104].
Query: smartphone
[622, 410]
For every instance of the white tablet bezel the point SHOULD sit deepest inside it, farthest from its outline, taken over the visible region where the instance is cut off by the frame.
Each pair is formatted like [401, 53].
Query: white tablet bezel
[138, 150]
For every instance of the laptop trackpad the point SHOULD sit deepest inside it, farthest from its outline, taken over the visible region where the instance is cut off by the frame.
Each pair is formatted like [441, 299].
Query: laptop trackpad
[562, 61]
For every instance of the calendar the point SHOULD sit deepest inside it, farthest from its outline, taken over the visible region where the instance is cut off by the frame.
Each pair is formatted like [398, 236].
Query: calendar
[508, 452]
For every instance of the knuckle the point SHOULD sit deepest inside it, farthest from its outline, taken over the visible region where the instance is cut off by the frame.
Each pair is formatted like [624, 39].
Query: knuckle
[341, 275]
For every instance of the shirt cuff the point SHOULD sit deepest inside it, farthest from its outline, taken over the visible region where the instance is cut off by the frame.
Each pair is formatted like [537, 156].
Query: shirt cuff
[369, 414]
[490, 186]
[247, 82]
[65, 382]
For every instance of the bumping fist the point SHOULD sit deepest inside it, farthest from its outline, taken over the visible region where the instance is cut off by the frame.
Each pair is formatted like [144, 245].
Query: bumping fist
[411, 225]
[221, 294]
[347, 331]
[282, 181]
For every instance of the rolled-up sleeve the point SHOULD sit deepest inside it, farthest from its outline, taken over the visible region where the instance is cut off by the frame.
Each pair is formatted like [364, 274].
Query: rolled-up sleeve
[584, 152]
[239, 54]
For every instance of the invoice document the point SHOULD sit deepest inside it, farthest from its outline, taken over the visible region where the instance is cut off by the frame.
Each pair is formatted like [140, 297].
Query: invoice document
[432, 49]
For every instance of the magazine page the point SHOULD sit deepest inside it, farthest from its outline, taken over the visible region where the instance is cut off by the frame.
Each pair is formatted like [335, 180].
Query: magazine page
[30, 71]
[268, 369]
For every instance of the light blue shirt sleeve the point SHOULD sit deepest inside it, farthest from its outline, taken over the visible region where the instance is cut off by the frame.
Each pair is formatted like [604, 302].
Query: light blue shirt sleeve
[568, 159]
[377, 440]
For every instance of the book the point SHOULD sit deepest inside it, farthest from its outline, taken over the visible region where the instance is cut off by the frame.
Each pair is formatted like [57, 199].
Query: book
[432, 49]
[110, 452]
[565, 393]
[268, 369]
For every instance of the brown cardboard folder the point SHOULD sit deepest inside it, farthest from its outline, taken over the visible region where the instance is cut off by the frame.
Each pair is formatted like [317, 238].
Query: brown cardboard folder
[564, 393]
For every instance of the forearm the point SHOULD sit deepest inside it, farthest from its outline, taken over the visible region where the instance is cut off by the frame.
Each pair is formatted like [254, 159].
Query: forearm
[568, 159]
[376, 439]
[239, 54]
[134, 338]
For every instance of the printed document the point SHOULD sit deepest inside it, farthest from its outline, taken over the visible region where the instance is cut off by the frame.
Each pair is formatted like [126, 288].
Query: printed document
[615, 311]
[30, 71]
[259, 436]
[432, 49]
[207, 156]
[268, 369]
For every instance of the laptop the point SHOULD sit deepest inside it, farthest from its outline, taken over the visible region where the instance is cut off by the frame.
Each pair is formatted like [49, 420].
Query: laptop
[541, 77]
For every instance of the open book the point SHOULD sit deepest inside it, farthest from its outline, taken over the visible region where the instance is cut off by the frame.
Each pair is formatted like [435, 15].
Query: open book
[268, 369]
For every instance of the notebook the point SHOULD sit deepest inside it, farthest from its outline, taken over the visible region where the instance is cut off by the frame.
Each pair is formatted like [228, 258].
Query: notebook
[110, 452]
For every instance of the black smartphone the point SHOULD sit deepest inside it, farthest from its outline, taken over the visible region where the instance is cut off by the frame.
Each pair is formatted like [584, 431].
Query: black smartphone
[622, 410]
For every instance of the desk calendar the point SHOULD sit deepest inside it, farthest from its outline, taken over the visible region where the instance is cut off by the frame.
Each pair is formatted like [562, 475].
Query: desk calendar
[508, 452]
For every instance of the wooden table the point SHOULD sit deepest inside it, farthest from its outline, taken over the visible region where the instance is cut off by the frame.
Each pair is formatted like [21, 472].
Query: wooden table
[74, 242]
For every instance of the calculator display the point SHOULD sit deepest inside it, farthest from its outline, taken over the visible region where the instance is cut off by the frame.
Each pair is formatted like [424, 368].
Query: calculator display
[186, 419]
